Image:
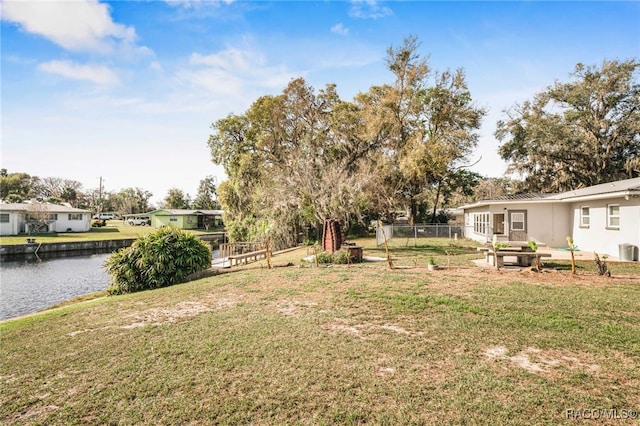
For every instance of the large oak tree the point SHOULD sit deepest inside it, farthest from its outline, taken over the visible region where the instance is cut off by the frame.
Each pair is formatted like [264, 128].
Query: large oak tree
[427, 123]
[577, 134]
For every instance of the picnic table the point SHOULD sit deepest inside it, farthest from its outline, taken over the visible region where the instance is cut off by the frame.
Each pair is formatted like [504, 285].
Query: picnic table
[520, 249]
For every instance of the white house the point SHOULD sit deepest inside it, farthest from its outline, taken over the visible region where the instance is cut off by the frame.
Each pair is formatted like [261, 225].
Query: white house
[599, 218]
[22, 218]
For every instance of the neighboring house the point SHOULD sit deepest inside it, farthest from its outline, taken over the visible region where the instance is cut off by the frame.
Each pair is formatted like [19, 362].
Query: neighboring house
[24, 218]
[186, 219]
[456, 216]
[598, 218]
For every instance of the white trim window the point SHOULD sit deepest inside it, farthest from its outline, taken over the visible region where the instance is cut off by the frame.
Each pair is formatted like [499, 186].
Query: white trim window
[481, 223]
[517, 221]
[173, 218]
[4, 218]
[584, 217]
[613, 216]
[75, 216]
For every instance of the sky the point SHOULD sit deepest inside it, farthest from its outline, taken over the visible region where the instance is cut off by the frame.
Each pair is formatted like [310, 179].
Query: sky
[127, 91]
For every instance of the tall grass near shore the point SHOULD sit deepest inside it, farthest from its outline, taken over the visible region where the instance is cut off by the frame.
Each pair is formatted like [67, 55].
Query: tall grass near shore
[347, 344]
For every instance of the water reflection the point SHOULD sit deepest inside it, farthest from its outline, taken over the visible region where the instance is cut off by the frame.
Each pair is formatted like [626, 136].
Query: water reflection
[32, 284]
[29, 285]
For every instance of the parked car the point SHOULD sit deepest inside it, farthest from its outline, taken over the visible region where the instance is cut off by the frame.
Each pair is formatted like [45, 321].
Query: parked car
[138, 221]
[104, 216]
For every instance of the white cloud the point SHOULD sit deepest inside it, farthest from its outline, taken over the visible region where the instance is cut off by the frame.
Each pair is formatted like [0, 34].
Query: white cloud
[229, 59]
[81, 25]
[234, 72]
[368, 9]
[96, 74]
[340, 29]
[189, 4]
[156, 66]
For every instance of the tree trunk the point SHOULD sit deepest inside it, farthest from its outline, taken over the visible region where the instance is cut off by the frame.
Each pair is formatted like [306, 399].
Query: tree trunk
[413, 211]
[435, 203]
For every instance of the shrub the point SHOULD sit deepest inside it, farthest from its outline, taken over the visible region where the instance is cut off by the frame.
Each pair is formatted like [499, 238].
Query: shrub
[341, 257]
[324, 257]
[159, 259]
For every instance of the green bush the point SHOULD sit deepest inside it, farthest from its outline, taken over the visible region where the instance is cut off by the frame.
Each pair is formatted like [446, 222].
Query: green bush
[341, 257]
[159, 259]
[324, 257]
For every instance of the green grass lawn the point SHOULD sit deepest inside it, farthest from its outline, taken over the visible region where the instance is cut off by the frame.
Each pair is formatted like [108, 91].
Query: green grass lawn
[348, 344]
[115, 230]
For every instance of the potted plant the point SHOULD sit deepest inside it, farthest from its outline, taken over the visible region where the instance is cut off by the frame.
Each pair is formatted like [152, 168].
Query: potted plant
[432, 265]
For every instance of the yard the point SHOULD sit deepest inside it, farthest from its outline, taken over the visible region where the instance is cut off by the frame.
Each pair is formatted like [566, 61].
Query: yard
[346, 344]
[115, 230]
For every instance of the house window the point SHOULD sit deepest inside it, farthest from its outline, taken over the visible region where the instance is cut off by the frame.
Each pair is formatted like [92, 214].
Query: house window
[481, 223]
[173, 219]
[584, 217]
[52, 216]
[613, 216]
[517, 221]
[75, 216]
[4, 217]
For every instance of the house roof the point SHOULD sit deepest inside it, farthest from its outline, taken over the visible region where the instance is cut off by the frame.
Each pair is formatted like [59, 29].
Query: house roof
[510, 199]
[184, 212]
[51, 208]
[615, 189]
[604, 190]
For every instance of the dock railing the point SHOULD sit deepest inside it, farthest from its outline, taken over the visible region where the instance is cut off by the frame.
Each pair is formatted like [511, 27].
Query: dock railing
[241, 247]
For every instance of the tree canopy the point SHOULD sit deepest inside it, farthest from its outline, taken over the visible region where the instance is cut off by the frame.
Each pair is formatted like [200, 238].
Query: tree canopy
[294, 159]
[207, 197]
[176, 199]
[577, 134]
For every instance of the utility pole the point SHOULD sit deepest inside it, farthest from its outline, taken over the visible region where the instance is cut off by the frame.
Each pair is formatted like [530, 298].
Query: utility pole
[100, 198]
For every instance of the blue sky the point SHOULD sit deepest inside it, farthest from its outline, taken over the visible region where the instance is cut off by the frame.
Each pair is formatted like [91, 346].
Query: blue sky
[127, 90]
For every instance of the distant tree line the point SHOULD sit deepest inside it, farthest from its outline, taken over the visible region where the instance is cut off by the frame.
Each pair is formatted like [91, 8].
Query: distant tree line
[304, 155]
[18, 187]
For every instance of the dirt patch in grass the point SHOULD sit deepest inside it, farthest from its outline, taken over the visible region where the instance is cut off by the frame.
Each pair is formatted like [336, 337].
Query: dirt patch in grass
[292, 308]
[533, 277]
[160, 316]
[536, 360]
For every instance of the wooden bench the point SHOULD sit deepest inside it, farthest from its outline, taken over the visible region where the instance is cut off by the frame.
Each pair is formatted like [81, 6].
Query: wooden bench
[239, 259]
[524, 257]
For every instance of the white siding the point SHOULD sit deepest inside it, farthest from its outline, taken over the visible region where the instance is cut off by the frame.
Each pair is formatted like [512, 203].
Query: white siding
[13, 226]
[597, 237]
[63, 224]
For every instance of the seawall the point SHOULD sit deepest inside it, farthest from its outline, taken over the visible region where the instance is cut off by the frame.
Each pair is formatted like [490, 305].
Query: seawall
[11, 250]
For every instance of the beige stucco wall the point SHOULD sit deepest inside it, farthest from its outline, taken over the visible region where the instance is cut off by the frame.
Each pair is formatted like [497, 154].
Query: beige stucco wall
[548, 223]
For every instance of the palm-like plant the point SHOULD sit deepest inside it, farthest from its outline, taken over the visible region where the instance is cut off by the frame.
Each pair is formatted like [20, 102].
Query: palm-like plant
[159, 259]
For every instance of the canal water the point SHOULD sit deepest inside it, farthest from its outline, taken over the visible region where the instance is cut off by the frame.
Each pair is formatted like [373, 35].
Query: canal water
[31, 285]
[28, 286]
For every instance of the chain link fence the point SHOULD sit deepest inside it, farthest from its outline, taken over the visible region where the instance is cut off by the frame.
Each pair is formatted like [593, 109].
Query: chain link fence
[416, 232]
